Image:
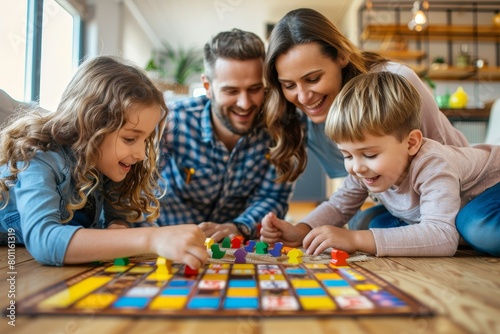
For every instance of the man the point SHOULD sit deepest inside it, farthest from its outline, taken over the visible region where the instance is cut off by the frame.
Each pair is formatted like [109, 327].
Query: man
[215, 157]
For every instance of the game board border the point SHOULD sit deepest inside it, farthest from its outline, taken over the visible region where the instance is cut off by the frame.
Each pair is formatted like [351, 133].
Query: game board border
[28, 305]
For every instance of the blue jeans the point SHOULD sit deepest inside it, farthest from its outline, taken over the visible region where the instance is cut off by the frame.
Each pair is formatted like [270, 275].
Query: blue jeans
[375, 217]
[478, 222]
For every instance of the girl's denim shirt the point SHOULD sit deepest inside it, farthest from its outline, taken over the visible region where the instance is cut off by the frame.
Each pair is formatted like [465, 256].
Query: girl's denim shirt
[37, 205]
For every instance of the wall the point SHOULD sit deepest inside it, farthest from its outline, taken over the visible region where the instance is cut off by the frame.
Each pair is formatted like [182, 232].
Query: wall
[113, 26]
[112, 29]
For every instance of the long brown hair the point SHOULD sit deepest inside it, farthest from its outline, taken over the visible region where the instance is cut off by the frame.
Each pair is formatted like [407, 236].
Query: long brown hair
[96, 103]
[282, 119]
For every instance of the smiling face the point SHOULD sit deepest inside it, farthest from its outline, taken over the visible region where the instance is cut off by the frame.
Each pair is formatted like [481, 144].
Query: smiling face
[309, 79]
[126, 146]
[380, 161]
[237, 95]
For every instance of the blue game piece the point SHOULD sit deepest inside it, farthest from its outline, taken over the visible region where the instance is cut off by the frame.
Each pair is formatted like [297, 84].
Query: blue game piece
[276, 251]
[250, 246]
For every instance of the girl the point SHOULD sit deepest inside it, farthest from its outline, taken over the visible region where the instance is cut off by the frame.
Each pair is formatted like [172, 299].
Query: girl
[73, 179]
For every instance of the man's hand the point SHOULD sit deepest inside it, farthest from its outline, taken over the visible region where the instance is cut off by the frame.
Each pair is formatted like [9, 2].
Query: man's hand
[219, 231]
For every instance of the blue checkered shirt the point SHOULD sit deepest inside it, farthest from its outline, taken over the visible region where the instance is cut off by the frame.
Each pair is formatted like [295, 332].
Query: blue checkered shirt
[236, 186]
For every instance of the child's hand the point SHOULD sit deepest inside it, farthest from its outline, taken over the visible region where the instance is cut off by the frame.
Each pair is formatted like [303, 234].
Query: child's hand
[218, 231]
[182, 243]
[323, 237]
[274, 230]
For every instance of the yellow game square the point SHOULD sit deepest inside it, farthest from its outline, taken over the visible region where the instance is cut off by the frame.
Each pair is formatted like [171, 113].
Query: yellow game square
[367, 287]
[315, 266]
[336, 267]
[243, 271]
[219, 265]
[242, 292]
[168, 303]
[141, 269]
[117, 269]
[159, 276]
[96, 301]
[304, 283]
[345, 291]
[317, 303]
[267, 277]
[216, 277]
[70, 295]
[243, 266]
[325, 276]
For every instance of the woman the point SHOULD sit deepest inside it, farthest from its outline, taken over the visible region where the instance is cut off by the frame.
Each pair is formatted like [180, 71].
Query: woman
[308, 62]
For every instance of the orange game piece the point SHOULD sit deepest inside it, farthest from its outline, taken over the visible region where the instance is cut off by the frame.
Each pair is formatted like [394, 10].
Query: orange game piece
[339, 257]
[286, 249]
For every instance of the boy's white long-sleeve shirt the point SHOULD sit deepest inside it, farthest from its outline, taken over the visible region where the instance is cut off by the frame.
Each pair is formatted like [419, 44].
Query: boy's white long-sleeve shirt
[440, 181]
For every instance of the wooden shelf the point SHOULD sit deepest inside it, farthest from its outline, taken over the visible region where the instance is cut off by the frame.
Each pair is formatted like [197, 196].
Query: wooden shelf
[433, 32]
[403, 55]
[467, 114]
[490, 73]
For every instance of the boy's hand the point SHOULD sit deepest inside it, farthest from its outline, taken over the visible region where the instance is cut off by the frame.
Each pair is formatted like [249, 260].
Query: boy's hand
[274, 230]
[323, 237]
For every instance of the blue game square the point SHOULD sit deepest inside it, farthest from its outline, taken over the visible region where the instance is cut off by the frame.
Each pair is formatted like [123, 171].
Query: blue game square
[181, 283]
[335, 283]
[131, 302]
[295, 271]
[204, 303]
[244, 283]
[176, 291]
[310, 292]
[241, 303]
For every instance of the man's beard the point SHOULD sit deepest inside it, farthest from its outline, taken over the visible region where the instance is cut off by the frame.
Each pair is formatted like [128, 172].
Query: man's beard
[225, 120]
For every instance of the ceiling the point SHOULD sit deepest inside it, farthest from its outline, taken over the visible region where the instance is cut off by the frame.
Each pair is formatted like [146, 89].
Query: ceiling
[176, 21]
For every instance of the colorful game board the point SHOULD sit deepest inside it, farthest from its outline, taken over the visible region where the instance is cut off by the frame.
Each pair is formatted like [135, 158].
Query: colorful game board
[224, 289]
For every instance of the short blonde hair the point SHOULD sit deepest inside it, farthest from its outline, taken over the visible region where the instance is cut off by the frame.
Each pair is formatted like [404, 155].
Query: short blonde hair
[379, 104]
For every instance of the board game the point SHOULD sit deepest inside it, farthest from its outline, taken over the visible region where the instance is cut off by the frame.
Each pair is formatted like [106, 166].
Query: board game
[223, 289]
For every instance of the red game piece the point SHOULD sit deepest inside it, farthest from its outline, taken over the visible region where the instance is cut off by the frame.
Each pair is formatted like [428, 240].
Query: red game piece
[188, 271]
[339, 257]
[236, 242]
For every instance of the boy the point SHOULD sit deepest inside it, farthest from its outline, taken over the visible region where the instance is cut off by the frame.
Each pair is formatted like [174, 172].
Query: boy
[425, 185]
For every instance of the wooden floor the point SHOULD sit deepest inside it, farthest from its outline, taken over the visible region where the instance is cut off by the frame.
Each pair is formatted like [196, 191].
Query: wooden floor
[463, 290]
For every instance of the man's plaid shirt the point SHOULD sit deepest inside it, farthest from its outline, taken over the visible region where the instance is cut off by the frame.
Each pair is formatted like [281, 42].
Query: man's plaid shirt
[236, 186]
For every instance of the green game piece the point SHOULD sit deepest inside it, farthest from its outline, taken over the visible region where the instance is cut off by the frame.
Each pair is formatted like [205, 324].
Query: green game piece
[121, 261]
[226, 243]
[261, 247]
[216, 252]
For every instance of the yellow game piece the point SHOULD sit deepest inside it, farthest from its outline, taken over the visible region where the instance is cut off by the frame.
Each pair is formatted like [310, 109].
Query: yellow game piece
[295, 256]
[163, 266]
[209, 242]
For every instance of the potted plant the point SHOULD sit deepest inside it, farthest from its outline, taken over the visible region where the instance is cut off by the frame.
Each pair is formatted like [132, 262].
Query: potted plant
[175, 66]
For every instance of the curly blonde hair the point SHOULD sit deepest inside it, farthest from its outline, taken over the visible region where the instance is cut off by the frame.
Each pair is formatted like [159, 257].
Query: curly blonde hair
[96, 103]
[301, 26]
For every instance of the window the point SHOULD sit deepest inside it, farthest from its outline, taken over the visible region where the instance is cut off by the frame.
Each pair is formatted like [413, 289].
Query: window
[13, 46]
[40, 49]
